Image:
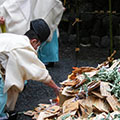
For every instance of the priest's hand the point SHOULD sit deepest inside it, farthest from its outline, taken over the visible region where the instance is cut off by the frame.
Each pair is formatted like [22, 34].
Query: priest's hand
[52, 84]
[57, 90]
[2, 20]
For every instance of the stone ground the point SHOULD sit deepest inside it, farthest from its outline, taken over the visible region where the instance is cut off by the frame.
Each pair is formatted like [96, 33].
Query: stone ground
[36, 92]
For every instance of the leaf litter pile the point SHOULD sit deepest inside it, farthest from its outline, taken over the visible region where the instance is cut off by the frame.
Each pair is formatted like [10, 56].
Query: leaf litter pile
[88, 94]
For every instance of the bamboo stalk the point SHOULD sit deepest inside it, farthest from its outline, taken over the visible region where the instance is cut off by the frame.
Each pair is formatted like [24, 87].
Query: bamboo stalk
[77, 29]
[110, 27]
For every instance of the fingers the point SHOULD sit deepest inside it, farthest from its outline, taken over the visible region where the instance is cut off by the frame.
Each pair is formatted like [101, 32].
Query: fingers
[2, 20]
[57, 91]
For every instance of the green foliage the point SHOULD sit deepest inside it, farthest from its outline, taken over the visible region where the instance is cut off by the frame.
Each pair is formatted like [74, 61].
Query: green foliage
[65, 116]
[90, 115]
[111, 76]
[117, 117]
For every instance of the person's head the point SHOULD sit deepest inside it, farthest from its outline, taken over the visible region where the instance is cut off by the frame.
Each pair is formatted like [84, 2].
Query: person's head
[38, 33]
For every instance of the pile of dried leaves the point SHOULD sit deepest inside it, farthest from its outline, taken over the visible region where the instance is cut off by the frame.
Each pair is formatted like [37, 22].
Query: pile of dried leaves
[88, 94]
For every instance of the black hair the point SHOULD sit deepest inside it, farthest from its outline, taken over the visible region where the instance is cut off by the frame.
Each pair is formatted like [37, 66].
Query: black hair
[32, 35]
[41, 28]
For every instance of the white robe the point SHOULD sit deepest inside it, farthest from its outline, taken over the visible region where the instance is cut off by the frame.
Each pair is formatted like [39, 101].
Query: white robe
[15, 20]
[21, 62]
[19, 13]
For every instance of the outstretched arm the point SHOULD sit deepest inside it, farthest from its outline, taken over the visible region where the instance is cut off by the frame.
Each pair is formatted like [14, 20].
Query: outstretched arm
[54, 86]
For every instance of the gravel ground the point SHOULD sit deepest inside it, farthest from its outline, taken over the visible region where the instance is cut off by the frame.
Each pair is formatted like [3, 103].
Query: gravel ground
[36, 92]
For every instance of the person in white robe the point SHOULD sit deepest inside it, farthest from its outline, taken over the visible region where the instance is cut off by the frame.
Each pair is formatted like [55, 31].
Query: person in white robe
[19, 13]
[19, 62]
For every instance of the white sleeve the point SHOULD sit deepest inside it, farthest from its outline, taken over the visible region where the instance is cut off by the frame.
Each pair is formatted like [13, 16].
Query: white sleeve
[23, 64]
[16, 15]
